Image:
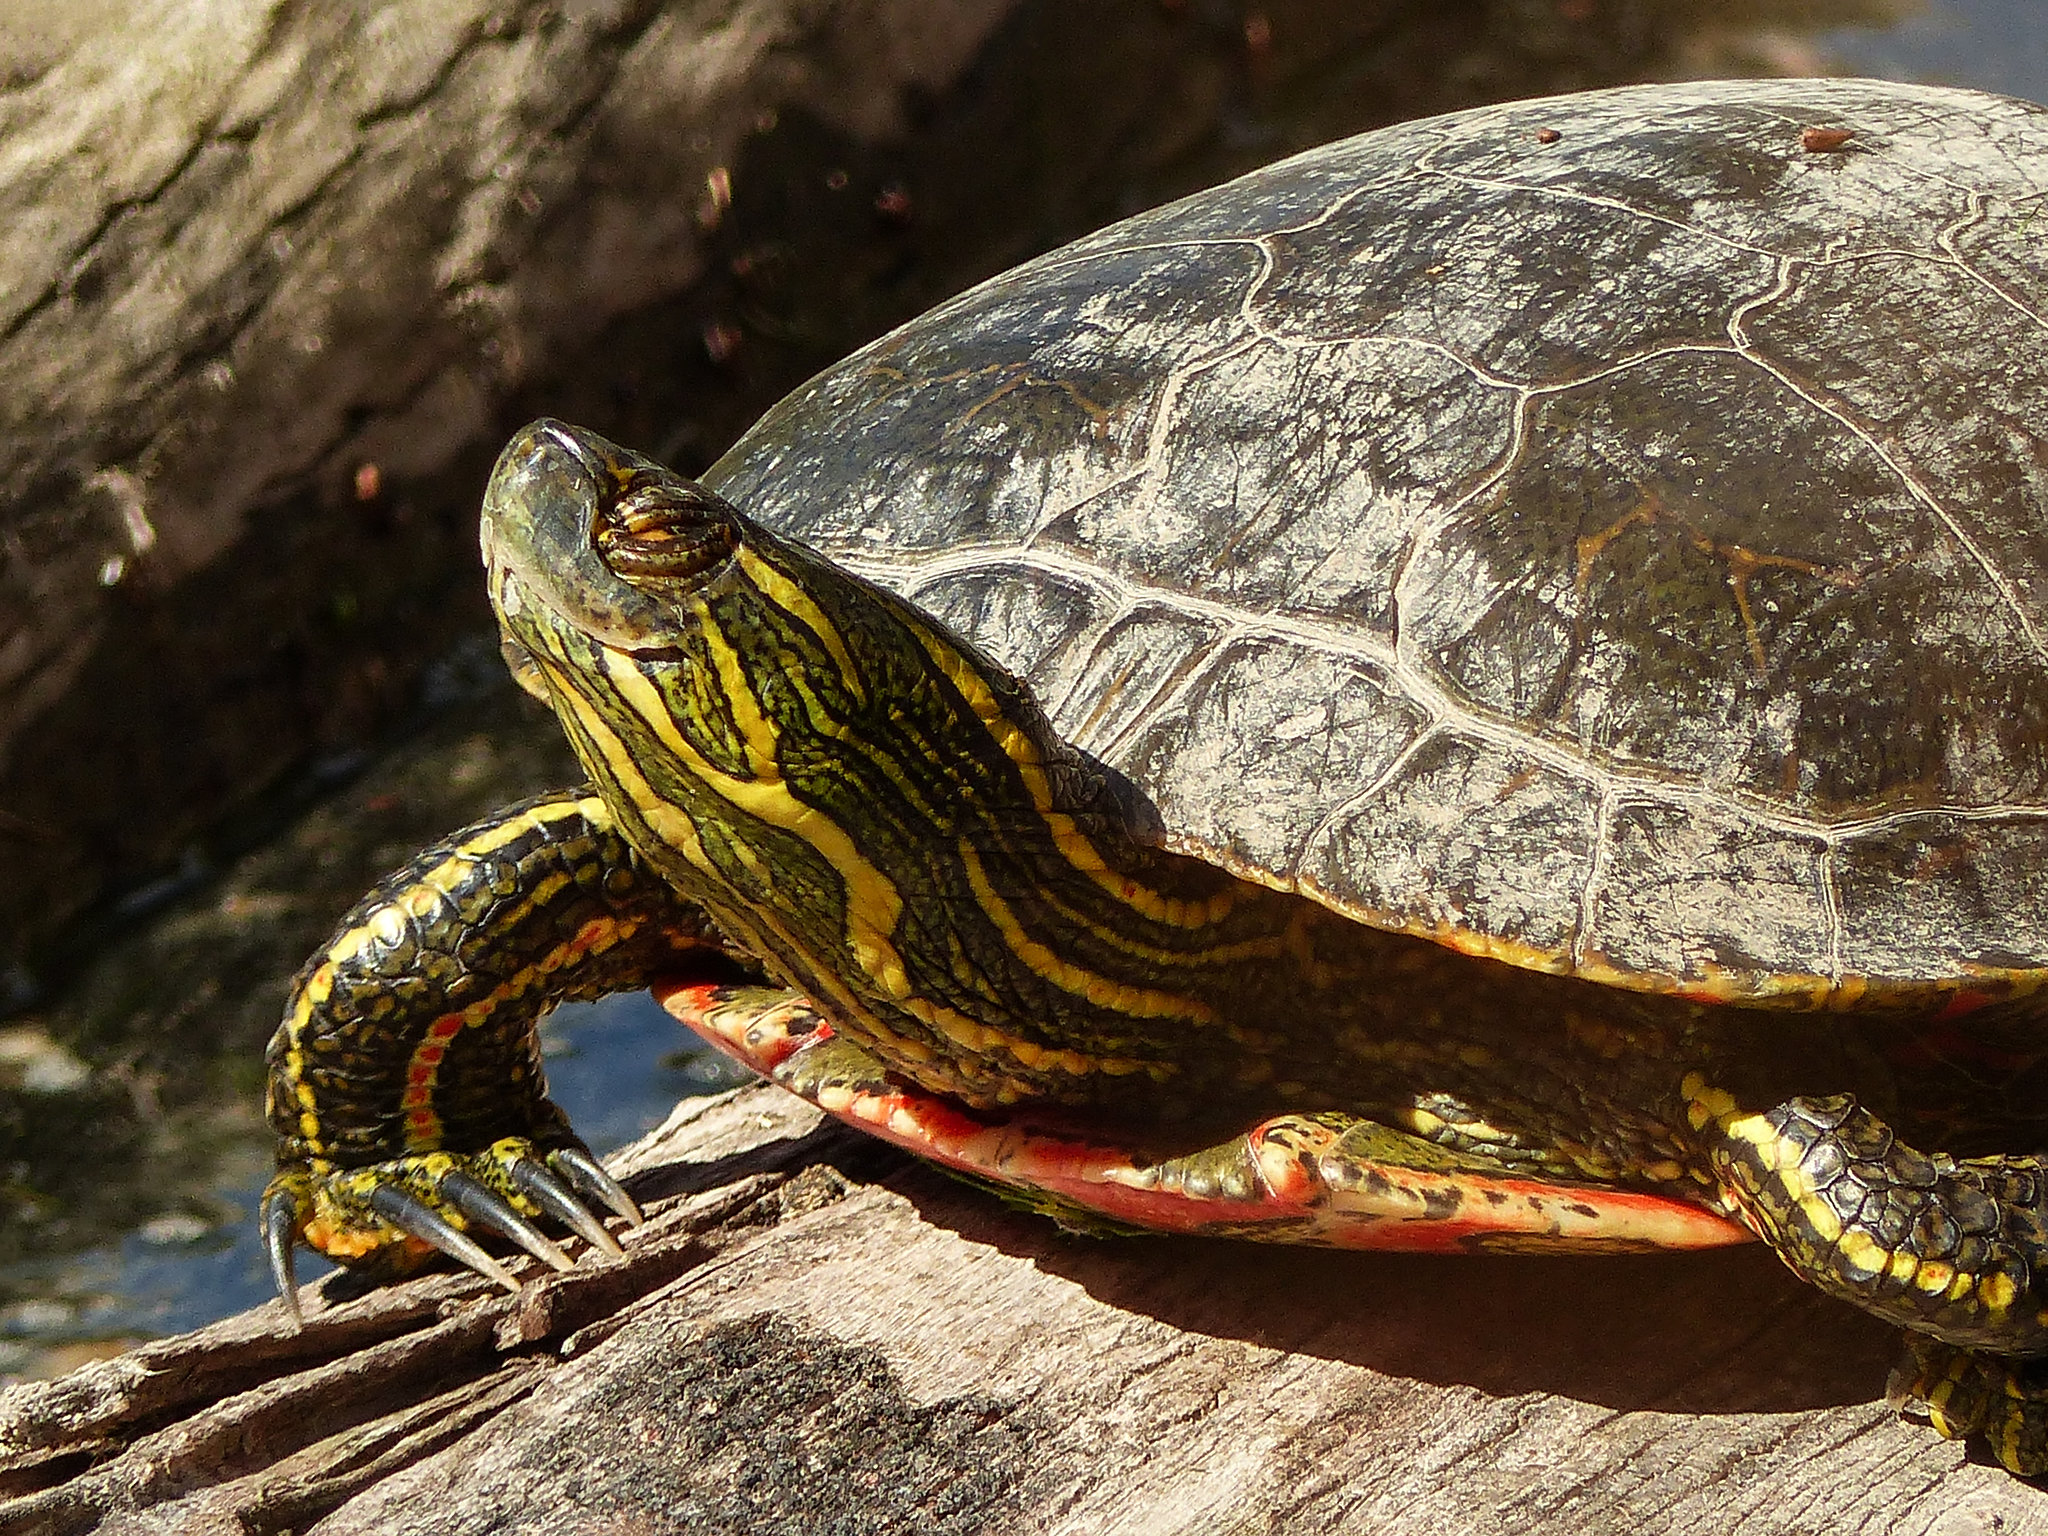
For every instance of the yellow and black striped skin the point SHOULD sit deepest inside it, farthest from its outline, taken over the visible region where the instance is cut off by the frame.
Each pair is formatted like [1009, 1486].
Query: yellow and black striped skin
[828, 783]
[413, 1029]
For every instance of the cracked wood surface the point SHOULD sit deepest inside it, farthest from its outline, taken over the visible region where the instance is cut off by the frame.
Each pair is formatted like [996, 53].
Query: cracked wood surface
[816, 1333]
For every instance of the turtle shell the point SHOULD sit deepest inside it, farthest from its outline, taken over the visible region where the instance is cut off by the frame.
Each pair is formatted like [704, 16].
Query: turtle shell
[1608, 533]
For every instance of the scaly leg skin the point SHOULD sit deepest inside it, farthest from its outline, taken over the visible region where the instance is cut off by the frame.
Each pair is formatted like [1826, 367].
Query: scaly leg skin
[405, 1081]
[1955, 1250]
[1329, 1178]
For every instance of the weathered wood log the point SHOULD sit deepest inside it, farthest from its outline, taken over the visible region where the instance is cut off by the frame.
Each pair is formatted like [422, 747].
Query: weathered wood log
[815, 1333]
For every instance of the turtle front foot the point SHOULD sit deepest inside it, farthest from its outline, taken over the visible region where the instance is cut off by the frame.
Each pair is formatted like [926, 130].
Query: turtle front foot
[387, 1219]
[1962, 1392]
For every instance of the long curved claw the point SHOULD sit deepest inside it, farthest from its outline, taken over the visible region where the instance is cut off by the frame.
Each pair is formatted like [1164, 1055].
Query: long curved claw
[379, 1218]
[539, 1185]
[280, 1222]
[480, 1203]
[415, 1218]
[589, 1177]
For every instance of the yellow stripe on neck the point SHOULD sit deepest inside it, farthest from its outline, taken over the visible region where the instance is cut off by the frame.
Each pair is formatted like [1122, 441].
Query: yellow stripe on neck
[1103, 991]
[792, 599]
[1073, 844]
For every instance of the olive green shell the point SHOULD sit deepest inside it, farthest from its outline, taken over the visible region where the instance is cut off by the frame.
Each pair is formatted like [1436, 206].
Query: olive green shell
[1608, 532]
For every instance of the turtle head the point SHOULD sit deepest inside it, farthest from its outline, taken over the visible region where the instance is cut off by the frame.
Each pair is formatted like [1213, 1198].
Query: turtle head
[582, 537]
[710, 675]
[618, 582]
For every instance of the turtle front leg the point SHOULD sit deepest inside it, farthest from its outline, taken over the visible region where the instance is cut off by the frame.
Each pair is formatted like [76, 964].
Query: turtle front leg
[405, 1081]
[1953, 1249]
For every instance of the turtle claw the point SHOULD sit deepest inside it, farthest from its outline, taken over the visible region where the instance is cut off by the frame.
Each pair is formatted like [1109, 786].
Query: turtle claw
[1963, 1392]
[538, 1183]
[485, 1206]
[280, 1223]
[415, 1218]
[383, 1219]
[589, 1177]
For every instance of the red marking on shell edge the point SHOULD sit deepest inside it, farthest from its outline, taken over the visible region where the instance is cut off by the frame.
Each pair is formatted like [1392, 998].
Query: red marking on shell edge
[1964, 1002]
[446, 1027]
[1382, 1206]
[692, 997]
[754, 1039]
[1284, 1174]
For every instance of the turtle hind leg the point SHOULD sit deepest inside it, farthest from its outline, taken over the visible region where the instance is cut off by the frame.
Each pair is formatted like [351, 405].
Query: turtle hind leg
[1953, 1249]
[1329, 1178]
[1965, 1392]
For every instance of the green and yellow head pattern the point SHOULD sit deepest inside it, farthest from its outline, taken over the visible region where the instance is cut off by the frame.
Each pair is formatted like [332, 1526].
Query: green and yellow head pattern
[878, 811]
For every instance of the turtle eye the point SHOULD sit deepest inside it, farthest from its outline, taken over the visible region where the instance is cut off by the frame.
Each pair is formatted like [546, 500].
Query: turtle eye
[663, 532]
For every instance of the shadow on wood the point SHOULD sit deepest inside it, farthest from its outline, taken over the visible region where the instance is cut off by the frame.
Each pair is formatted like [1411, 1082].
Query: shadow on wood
[813, 1332]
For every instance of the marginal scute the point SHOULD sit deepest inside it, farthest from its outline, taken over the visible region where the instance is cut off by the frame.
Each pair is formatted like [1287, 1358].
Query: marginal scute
[1493, 843]
[1625, 552]
[1929, 883]
[1761, 892]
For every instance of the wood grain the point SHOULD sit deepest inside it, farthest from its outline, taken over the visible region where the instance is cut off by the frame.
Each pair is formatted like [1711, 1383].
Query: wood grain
[814, 1333]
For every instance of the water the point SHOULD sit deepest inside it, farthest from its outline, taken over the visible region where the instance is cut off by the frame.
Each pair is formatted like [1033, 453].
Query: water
[617, 1067]
[1993, 45]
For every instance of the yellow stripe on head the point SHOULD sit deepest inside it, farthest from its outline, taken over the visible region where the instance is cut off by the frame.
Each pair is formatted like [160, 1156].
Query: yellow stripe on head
[873, 904]
[793, 600]
[757, 736]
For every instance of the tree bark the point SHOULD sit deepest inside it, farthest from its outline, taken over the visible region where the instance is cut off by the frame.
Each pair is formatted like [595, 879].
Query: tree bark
[271, 261]
[815, 1333]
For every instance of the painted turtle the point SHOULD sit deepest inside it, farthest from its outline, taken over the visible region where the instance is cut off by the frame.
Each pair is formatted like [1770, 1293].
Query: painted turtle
[1505, 656]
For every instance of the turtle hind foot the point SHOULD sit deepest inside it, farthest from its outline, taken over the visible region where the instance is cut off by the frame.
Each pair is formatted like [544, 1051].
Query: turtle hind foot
[1964, 1392]
[387, 1219]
